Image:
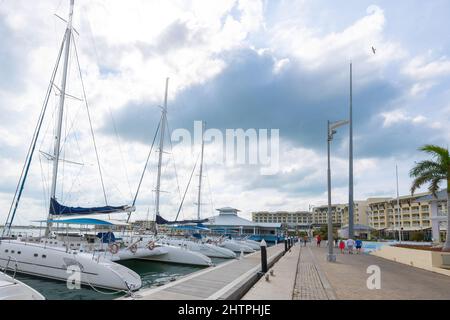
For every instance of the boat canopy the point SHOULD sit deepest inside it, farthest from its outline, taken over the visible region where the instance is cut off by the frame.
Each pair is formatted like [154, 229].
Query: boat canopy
[89, 222]
[190, 228]
[160, 220]
[56, 209]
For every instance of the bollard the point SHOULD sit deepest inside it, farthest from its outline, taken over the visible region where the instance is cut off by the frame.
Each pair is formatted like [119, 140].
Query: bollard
[285, 245]
[263, 257]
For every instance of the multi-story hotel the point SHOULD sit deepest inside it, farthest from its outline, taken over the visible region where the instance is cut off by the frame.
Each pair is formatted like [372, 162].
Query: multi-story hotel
[320, 215]
[340, 214]
[300, 220]
[413, 214]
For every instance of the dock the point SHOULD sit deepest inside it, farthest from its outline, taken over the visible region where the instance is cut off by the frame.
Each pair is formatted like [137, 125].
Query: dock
[227, 281]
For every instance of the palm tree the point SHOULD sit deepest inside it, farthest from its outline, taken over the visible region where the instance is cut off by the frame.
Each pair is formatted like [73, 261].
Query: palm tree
[434, 172]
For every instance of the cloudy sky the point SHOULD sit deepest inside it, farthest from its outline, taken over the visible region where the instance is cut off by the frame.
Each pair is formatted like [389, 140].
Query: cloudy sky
[261, 64]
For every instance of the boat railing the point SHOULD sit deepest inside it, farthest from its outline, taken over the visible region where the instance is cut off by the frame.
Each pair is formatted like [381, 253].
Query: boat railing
[15, 265]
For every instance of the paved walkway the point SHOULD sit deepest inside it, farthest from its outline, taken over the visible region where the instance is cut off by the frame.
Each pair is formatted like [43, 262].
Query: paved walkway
[280, 285]
[311, 283]
[304, 274]
[348, 278]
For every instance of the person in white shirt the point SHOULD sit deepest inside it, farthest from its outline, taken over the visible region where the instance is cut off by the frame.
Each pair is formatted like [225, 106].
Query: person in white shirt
[350, 244]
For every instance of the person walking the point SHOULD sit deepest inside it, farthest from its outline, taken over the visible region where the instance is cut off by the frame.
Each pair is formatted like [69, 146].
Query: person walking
[350, 244]
[358, 244]
[305, 240]
[319, 240]
[342, 246]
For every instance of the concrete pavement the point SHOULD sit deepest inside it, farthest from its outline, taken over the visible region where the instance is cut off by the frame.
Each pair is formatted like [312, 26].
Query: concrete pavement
[304, 274]
[348, 278]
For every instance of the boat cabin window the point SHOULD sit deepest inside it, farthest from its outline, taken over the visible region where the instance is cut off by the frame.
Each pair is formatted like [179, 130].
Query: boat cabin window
[6, 250]
[36, 255]
[44, 256]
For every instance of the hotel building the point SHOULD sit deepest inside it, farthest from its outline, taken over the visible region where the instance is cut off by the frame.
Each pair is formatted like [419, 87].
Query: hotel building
[299, 220]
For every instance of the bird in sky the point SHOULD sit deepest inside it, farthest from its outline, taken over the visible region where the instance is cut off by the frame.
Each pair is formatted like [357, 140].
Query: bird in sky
[374, 50]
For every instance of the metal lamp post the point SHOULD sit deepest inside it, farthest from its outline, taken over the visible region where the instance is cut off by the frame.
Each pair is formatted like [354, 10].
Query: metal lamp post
[332, 126]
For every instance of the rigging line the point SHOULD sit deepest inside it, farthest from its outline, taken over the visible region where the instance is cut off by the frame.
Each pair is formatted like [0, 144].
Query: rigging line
[210, 190]
[90, 123]
[121, 151]
[187, 188]
[27, 164]
[173, 158]
[145, 168]
[44, 183]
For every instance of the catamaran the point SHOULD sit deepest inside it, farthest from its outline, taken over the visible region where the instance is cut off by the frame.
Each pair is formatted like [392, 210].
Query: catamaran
[195, 226]
[38, 258]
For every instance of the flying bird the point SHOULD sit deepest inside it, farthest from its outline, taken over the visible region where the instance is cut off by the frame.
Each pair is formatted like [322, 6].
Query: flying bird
[374, 50]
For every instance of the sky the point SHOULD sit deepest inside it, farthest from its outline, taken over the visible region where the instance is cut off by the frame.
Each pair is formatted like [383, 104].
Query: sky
[250, 64]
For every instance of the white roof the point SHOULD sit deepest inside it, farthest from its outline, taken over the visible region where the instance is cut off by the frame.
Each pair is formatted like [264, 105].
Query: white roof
[233, 220]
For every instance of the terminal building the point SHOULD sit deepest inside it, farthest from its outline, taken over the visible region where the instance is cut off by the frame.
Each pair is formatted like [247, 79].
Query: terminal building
[229, 223]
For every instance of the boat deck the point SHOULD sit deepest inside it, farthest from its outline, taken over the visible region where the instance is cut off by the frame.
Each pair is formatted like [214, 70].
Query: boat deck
[228, 281]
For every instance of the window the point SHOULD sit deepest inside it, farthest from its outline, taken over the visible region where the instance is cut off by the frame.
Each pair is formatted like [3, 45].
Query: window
[19, 252]
[36, 255]
[44, 256]
[6, 250]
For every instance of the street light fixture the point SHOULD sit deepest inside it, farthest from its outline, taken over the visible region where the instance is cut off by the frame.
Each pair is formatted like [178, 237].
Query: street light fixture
[332, 130]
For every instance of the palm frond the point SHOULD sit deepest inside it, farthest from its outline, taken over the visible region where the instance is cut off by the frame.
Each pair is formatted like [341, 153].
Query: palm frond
[426, 166]
[436, 151]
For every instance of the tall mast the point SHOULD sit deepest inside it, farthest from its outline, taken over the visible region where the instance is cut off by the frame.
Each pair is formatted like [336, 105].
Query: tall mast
[199, 204]
[350, 184]
[161, 148]
[62, 97]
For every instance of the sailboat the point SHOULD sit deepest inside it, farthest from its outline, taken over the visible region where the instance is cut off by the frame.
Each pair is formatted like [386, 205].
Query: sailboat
[208, 249]
[39, 259]
[176, 254]
[13, 289]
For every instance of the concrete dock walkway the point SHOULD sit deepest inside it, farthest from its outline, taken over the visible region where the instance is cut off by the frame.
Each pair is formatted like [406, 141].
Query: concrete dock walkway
[228, 281]
[297, 276]
[280, 286]
[304, 274]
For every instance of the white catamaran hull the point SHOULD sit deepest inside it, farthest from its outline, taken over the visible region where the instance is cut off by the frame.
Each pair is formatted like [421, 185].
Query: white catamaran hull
[57, 264]
[12, 289]
[208, 250]
[236, 246]
[181, 256]
[252, 244]
[175, 254]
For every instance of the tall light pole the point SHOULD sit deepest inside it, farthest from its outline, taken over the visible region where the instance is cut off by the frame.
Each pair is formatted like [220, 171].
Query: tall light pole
[350, 184]
[332, 126]
[399, 210]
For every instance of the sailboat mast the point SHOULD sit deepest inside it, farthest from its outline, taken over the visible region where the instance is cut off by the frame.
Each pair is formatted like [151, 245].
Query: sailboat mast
[199, 203]
[62, 97]
[161, 148]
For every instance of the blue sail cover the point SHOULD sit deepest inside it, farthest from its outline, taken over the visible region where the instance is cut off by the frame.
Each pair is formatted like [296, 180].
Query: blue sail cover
[57, 209]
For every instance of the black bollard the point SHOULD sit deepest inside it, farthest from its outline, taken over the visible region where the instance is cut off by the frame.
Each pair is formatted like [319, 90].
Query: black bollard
[286, 245]
[264, 257]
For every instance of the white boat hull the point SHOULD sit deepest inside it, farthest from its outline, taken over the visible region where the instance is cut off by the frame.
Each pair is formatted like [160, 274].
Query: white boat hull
[179, 255]
[236, 246]
[56, 263]
[12, 289]
[206, 249]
